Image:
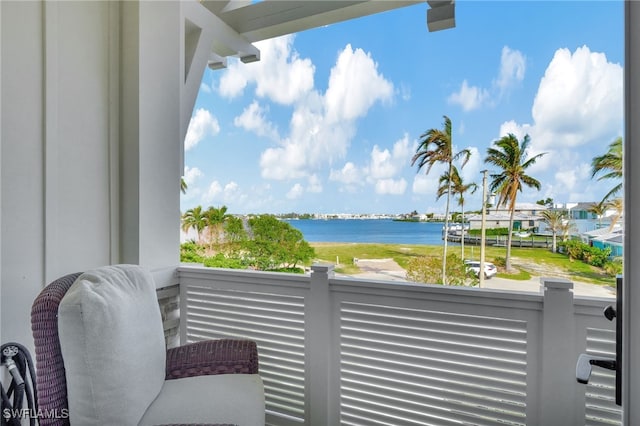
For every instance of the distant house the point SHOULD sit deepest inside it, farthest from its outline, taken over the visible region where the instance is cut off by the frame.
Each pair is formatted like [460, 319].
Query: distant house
[604, 238]
[580, 211]
[584, 219]
[526, 217]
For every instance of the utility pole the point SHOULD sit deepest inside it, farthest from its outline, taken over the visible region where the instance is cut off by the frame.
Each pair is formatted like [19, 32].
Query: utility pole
[483, 230]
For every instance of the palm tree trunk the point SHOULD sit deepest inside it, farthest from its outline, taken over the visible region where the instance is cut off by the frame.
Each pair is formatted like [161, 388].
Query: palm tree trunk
[554, 243]
[446, 228]
[462, 234]
[509, 237]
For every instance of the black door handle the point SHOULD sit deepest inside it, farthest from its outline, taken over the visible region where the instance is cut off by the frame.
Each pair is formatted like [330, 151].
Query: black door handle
[583, 366]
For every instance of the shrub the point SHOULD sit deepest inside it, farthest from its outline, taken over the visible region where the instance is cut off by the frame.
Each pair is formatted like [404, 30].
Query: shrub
[428, 269]
[596, 256]
[190, 252]
[221, 261]
[276, 244]
[578, 250]
[613, 267]
[500, 261]
[489, 232]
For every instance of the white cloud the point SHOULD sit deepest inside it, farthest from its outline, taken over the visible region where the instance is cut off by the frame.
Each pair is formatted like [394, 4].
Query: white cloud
[214, 190]
[202, 124]
[471, 172]
[391, 186]
[253, 118]
[579, 100]
[405, 92]
[283, 163]
[233, 197]
[423, 184]
[386, 164]
[354, 86]
[204, 87]
[512, 68]
[295, 192]
[381, 164]
[233, 81]
[322, 126]
[512, 71]
[518, 130]
[349, 174]
[280, 75]
[469, 97]
[191, 174]
[577, 112]
[314, 185]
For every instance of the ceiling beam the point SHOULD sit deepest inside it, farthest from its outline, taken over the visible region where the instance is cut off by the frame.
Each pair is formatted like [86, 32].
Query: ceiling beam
[226, 41]
[441, 16]
[273, 18]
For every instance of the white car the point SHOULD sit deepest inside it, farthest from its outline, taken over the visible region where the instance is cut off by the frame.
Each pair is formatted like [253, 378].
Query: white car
[490, 269]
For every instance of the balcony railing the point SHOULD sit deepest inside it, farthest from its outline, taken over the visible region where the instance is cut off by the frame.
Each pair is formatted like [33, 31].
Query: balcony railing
[342, 351]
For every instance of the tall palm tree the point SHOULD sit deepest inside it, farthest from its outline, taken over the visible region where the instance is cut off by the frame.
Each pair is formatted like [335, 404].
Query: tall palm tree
[556, 220]
[457, 187]
[510, 156]
[610, 164]
[436, 147]
[214, 219]
[194, 218]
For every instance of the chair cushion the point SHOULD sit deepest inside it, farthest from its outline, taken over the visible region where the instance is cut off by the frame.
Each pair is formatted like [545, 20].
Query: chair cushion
[112, 344]
[226, 398]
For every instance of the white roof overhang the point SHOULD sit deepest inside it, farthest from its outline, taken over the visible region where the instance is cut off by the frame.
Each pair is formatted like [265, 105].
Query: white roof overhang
[247, 22]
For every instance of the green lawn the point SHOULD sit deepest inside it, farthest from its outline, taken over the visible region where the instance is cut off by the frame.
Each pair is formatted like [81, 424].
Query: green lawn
[527, 261]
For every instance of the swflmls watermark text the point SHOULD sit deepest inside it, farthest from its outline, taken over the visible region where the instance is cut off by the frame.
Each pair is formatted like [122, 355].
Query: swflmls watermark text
[26, 413]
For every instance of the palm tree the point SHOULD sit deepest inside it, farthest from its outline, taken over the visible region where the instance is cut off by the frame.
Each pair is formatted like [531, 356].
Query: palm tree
[511, 158]
[436, 147]
[194, 218]
[618, 206]
[567, 228]
[556, 220]
[611, 165]
[183, 185]
[214, 219]
[598, 209]
[457, 187]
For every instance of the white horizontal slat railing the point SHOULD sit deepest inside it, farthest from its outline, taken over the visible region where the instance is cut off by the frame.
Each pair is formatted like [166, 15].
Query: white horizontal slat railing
[338, 351]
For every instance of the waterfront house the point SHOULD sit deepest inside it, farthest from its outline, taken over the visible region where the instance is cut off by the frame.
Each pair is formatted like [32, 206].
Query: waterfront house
[526, 217]
[95, 102]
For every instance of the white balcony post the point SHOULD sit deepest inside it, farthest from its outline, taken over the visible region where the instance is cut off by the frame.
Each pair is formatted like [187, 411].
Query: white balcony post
[318, 345]
[558, 360]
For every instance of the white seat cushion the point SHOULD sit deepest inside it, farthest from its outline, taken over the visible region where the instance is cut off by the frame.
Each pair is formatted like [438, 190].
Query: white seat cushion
[224, 398]
[112, 344]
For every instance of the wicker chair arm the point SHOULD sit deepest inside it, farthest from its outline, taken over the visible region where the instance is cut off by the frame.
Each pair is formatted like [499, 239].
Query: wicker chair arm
[225, 356]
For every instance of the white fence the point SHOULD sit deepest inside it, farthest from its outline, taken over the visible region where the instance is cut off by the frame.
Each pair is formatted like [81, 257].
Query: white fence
[340, 351]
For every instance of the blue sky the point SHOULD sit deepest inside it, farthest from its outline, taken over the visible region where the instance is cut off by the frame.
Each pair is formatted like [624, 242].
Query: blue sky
[328, 120]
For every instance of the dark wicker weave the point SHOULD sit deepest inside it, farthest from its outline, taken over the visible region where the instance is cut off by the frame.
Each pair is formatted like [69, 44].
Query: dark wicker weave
[51, 384]
[224, 356]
